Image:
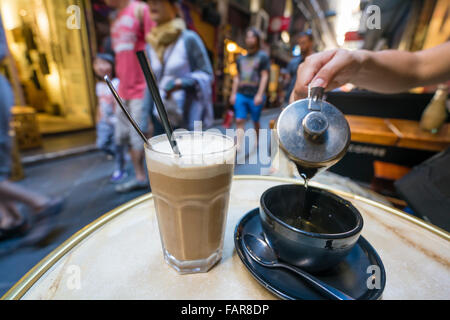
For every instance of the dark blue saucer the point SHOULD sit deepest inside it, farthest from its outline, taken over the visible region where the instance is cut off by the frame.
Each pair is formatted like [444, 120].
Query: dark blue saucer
[349, 276]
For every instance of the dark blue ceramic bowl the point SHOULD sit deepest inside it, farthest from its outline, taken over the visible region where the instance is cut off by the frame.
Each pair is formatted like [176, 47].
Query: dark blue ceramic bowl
[324, 238]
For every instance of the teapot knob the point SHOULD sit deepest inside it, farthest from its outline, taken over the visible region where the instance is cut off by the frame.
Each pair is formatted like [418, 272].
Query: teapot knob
[315, 124]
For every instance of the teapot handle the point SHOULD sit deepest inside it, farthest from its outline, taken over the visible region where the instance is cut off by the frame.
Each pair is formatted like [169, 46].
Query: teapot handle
[315, 123]
[315, 94]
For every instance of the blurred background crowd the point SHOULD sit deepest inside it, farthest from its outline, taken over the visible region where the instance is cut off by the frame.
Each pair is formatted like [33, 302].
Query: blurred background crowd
[73, 156]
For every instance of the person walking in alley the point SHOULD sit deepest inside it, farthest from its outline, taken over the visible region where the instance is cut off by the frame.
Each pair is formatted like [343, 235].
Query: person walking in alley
[106, 117]
[306, 43]
[12, 222]
[128, 30]
[182, 68]
[249, 85]
[282, 164]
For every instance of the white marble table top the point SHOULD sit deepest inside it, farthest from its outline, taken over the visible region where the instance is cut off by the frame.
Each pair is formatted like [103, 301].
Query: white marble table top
[119, 256]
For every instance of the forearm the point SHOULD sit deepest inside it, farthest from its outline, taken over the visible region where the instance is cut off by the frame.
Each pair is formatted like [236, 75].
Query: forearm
[98, 113]
[387, 71]
[393, 71]
[287, 80]
[235, 86]
[263, 83]
[186, 83]
[434, 64]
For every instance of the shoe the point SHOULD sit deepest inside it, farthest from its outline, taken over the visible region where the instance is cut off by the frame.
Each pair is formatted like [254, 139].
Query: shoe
[18, 230]
[131, 186]
[54, 207]
[118, 175]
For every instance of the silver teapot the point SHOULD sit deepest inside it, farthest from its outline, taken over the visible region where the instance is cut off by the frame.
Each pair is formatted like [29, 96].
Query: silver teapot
[313, 133]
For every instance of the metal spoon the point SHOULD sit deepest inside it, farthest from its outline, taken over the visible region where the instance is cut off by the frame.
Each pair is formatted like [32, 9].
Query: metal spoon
[122, 106]
[259, 250]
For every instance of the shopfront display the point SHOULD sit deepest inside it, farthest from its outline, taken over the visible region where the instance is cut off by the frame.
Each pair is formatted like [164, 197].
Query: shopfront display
[50, 64]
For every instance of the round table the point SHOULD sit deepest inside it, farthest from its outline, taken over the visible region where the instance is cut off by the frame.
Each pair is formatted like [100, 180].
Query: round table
[119, 255]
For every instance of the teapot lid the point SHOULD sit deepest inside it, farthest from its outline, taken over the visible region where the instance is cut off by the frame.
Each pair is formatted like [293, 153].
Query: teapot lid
[313, 132]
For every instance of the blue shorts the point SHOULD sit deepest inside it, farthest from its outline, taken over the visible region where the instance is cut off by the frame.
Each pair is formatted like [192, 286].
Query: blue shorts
[244, 105]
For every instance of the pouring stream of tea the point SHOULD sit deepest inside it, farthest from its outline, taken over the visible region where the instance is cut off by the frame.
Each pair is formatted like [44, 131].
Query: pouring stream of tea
[305, 212]
[301, 218]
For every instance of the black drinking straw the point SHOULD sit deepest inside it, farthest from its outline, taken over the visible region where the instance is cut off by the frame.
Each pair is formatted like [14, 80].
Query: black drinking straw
[120, 102]
[153, 87]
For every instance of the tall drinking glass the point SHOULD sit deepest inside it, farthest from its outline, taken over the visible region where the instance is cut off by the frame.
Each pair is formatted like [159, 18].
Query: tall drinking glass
[191, 195]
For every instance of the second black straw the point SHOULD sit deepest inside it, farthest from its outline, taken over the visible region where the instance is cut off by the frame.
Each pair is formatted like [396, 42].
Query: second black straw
[153, 87]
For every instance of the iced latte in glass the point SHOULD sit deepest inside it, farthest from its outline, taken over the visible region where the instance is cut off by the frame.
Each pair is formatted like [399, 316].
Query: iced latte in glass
[191, 195]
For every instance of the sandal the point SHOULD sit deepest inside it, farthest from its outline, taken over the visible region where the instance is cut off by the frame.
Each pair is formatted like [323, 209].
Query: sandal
[15, 231]
[131, 186]
[54, 208]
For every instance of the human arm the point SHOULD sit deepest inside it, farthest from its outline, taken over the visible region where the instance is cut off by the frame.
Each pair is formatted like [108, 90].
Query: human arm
[98, 114]
[387, 71]
[291, 70]
[264, 79]
[97, 95]
[147, 22]
[234, 89]
[258, 100]
[286, 80]
[198, 62]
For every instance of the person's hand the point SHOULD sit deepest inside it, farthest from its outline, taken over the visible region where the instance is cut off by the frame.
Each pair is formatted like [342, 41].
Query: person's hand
[328, 69]
[172, 86]
[233, 99]
[258, 100]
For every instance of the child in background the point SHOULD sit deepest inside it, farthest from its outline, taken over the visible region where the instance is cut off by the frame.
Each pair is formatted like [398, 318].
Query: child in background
[106, 119]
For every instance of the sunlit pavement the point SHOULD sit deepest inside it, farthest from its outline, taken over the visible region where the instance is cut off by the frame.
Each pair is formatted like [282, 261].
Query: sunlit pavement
[84, 182]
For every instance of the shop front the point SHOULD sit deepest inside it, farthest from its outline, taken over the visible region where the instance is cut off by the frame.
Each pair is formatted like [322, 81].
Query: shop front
[49, 65]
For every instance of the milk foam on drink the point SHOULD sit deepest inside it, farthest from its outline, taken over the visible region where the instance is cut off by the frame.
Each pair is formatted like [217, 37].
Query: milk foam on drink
[202, 155]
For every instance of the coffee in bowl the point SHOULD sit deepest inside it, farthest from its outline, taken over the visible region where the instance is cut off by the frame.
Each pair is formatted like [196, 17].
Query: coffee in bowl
[315, 237]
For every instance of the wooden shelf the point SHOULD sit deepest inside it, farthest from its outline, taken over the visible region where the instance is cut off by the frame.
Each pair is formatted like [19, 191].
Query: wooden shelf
[413, 137]
[397, 132]
[371, 130]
